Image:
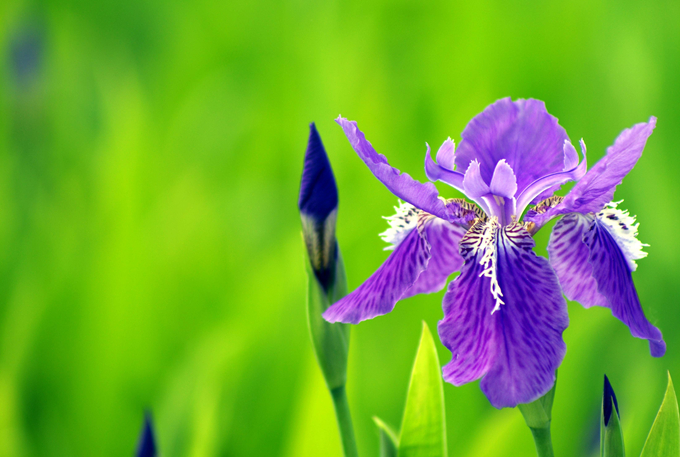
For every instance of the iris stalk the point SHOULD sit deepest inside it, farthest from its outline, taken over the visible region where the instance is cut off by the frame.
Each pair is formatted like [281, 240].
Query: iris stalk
[318, 206]
[537, 416]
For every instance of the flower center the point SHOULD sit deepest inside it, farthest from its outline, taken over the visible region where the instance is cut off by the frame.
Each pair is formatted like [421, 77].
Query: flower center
[484, 237]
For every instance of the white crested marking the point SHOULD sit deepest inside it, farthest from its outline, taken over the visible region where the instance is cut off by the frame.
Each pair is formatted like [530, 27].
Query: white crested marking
[401, 224]
[624, 229]
[486, 242]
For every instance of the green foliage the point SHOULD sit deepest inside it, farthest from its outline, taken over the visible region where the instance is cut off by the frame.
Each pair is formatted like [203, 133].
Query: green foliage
[664, 437]
[423, 427]
[388, 439]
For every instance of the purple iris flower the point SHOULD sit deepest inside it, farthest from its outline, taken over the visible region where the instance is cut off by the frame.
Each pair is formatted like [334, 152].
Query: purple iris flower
[504, 314]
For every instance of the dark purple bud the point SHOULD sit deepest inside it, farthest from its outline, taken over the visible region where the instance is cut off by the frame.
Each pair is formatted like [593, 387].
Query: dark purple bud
[318, 209]
[318, 193]
[607, 398]
[147, 442]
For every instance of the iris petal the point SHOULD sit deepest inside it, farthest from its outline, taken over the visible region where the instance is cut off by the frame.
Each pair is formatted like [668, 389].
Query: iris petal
[503, 182]
[419, 264]
[445, 155]
[516, 349]
[521, 132]
[435, 172]
[443, 238]
[545, 186]
[421, 195]
[569, 257]
[596, 188]
[593, 270]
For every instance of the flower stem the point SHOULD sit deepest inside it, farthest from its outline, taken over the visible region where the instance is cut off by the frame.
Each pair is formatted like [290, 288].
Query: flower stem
[538, 415]
[349, 445]
[543, 441]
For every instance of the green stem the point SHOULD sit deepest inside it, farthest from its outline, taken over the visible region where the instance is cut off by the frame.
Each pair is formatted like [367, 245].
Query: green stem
[543, 441]
[349, 445]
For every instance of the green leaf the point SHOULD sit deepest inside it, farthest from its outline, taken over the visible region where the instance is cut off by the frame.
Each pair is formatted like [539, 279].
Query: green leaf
[388, 439]
[664, 437]
[423, 428]
[331, 341]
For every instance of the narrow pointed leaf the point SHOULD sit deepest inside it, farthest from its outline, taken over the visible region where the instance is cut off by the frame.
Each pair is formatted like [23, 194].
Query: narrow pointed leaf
[423, 429]
[664, 437]
[388, 439]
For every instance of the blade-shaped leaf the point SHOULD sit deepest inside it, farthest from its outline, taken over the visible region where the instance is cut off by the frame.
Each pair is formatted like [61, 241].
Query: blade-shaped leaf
[388, 439]
[664, 437]
[423, 428]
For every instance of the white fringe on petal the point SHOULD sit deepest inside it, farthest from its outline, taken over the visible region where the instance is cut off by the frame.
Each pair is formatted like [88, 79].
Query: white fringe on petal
[624, 229]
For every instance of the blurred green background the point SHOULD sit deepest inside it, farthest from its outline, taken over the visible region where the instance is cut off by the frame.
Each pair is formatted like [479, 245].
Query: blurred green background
[150, 248]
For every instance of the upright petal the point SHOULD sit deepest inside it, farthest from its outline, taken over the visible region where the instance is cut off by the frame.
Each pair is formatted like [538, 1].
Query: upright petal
[420, 263]
[503, 182]
[473, 183]
[437, 172]
[596, 188]
[421, 195]
[521, 132]
[544, 187]
[445, 154]
[593, 263]
[517, 346]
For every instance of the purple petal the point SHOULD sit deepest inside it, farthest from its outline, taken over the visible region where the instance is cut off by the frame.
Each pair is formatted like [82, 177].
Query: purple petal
[436, 172]
[612, 272]
[379, 293]
[569, 257]
[421, 263]
[445, 259]
[596, 188]
[517, 348]
[445, 155]
[473, 183]
[503, 182]
[546, 186]
[521, 132]
[571, 156]
[421, 195]
[318, 193]
[594, 271]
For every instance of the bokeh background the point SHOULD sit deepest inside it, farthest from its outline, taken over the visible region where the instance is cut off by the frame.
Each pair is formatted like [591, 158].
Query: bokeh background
[150, 247]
